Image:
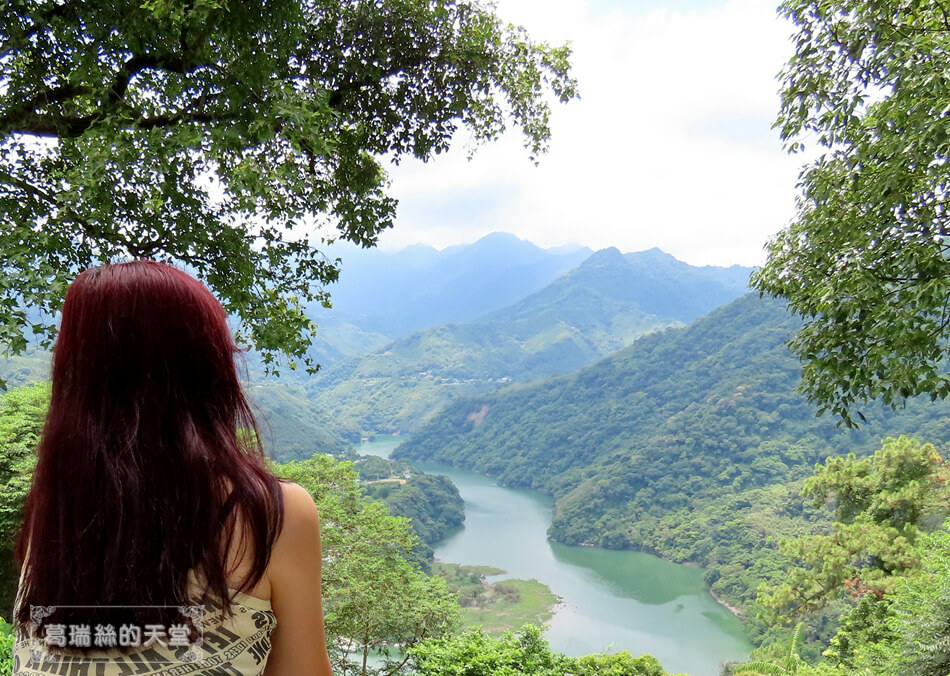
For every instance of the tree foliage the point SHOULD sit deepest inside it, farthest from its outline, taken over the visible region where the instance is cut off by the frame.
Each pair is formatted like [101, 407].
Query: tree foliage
[430, 501]
[866, 258]
[790, 662]
[907, 632]
[880, 504]
[237, 138]
[22, 413]
[521, 653]
[375, 598]
[6, 648]
[918, 621]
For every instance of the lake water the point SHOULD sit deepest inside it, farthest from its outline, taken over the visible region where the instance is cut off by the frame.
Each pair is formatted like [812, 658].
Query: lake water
[611, 600]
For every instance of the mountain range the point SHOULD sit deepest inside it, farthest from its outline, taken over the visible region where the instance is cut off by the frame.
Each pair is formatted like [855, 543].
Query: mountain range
[685, 443]
[602, 305]
[395, 293]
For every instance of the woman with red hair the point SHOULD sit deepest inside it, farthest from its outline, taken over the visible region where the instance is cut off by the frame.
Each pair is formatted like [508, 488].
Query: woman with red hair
[155, 539]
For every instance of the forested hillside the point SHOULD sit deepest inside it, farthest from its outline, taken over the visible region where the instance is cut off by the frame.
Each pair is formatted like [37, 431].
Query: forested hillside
[599, 307]
[292, 427]
[430, 501]
[688, 443]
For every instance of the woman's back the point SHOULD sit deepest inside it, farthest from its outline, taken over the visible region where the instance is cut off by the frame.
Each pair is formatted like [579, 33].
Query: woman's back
[146, 492]
[242, 644]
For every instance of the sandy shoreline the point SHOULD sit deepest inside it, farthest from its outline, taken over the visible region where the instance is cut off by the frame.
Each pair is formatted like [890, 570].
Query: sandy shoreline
[732, 609]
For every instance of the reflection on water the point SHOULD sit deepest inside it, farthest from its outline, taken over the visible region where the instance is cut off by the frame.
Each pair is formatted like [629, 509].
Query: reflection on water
[611, 600]
[633, 574]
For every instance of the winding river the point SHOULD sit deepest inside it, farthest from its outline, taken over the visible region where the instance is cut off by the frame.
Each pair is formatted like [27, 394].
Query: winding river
[611, 600]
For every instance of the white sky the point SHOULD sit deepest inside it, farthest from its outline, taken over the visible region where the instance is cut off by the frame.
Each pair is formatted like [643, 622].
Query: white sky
[670, 144]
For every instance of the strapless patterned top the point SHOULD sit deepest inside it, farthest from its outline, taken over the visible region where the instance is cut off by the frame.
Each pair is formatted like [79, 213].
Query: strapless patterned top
[238, 646]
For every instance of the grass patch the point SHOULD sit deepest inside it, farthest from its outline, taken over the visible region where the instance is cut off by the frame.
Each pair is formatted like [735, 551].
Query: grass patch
[497, 606]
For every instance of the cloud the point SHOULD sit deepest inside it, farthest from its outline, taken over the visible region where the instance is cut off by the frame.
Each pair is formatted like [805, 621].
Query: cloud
[670, 145]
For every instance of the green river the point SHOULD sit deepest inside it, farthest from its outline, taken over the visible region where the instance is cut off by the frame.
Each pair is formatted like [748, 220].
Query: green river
[611, 600]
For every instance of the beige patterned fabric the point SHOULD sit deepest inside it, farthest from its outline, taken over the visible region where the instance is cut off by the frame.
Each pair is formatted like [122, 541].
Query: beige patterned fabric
[236, 647]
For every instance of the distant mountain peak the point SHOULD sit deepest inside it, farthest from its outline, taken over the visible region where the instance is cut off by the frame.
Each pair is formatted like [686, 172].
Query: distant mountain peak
[657, 251]
[412, 248]
[499, 236]
[653, 254]
[609, 255]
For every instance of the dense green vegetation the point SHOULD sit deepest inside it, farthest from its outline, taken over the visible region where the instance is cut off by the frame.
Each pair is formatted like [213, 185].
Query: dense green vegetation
[292, 427]
[882, 561]
[430, 501]
[599, 307]
[22, 413]
[691, 443]
[6, 648]
[475, 653]
[907, 632]
[881, 505]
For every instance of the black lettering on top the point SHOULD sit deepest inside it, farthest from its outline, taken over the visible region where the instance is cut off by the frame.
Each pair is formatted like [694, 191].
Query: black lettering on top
[79, 668]
[259, 650]
[221, 637]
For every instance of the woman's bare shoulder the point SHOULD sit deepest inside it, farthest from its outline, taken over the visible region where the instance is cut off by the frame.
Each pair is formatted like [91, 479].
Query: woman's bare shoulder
[299, 644]
[297, 497]
[300, 535]
[299, 506]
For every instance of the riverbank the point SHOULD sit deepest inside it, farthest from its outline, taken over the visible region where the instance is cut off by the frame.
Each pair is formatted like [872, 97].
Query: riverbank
[725, 604]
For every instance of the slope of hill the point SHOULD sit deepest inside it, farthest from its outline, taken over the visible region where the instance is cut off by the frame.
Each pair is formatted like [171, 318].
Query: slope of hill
[684, 443]
[291, 427]
[336, 340]
[599, 307]
[684, 291]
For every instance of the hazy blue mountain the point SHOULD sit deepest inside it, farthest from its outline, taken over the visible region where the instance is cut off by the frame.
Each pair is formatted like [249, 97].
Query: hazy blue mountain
[396, 293]
[691, 291]
[599, 307]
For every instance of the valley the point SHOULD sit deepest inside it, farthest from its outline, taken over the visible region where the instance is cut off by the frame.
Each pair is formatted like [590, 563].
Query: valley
[614, 441]
[609, 600]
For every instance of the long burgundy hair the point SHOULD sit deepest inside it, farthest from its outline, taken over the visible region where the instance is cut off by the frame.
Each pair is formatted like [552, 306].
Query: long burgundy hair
[143, 469]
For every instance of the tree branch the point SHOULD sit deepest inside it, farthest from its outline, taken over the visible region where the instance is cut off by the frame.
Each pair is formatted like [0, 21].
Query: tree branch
[49, 127]
[25, 108]
[22, 119]
[138, 63]
[28, 187]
